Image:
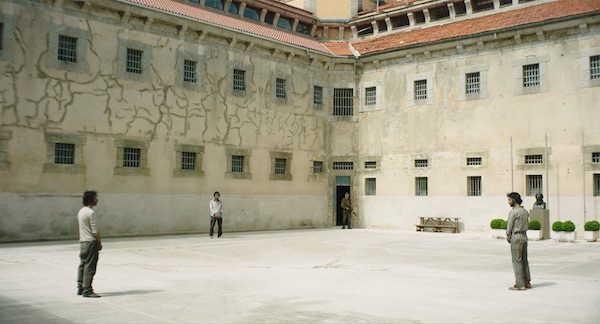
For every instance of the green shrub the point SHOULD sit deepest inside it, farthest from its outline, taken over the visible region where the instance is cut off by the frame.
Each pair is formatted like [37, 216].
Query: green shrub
[557, 226]
[535, 225]
[592, 226]
[568, 226]
[504, 224]
[496, 223]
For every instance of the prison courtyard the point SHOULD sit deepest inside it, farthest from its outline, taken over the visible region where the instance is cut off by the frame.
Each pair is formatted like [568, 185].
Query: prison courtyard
[302, 276]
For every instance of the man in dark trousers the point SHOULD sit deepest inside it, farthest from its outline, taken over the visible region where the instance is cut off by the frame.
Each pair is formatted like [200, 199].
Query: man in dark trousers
[347, 210]
[90, 245]
[516, 234]
[216, 214]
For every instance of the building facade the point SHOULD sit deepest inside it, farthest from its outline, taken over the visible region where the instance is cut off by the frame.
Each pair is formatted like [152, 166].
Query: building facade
[439, 108]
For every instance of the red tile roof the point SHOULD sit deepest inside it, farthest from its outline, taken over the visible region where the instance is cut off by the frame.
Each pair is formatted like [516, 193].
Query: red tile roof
[339, 48]
[235, 23]
[533, 14]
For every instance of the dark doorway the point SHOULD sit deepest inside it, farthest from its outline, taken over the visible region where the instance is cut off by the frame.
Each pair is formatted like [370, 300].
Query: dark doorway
[339, 194]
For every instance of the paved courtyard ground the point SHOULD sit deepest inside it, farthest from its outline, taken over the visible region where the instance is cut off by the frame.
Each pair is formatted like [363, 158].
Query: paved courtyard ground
[302, 276]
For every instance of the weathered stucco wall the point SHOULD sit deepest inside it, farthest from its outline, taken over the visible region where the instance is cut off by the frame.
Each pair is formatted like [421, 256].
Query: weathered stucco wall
[100, 106]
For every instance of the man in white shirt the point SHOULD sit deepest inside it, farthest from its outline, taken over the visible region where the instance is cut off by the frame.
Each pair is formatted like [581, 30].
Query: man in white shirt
[216, 212]
[90, 244]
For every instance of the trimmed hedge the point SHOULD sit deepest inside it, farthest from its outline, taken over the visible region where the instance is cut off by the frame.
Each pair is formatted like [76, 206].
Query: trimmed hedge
[498, 223]
[592, 226]
[535, 225]
[557, 226]
[568, 226]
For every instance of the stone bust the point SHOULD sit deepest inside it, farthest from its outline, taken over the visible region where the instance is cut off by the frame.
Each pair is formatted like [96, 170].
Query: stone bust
[539, 202]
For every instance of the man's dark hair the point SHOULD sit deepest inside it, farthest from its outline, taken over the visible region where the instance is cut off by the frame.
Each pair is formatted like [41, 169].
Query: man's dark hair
[88, 197]
[216, 192]
[515, 197]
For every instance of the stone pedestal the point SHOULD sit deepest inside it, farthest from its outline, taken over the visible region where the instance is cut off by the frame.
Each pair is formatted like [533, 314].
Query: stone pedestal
[542, 216]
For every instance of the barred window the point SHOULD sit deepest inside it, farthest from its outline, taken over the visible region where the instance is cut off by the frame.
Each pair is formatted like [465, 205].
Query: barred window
[280, 88]
[531, 75]
[421, 163]
[237, 163]
[370, 164]
[471, 161]
[595, 157]
[134, 61]
[420, 89]
[343, 165]
[132, 157]
[371, 96]
[188, 161]
[239, 80]
[64, 153]
[595, 67]
[189, 71]
[280, 166]
[474, 186]
[472, 82]
[67, 49]
[534, 159]
[534, 184]
[343, 101]
[421, 186]
[317, 95]
[317, 167]
[597, 184]
[370, 186]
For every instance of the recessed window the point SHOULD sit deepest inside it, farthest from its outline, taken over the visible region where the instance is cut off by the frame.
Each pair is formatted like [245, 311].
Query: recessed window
[534, 184]
[419, 17]
[239, 80]
[132, 157]
[284, 23]
[233, 8]
[188, 161]
[64, 153]
[364, 30]
[421, 186]
[595, 67]
[400, 21]
[189, 71]
[597, 184]
[370, 186]
[280, 88]
[280, 166]
[472, 82]
[317, 167]
[237, 163]
[317, 96]
[474, 186]
[134, 61]
[67, 49]
[534, 159]
[480, 5]
[473, 161]
[595, 157]
[531, 75]
[217, 4]
[370, 164]
[303, 28]
[371, 96]
[343, 101]
[252, 13]
[420, 89]
[460, 8]
[421, 163]
[343, 165]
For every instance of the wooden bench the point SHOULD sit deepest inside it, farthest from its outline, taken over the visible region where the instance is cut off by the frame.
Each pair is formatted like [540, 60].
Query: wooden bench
[438, 224]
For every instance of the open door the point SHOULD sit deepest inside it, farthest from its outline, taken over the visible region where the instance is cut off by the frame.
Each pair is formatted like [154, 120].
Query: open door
[342, 186]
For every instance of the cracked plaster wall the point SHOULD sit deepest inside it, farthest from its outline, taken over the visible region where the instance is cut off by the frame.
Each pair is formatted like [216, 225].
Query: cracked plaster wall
[98, 103]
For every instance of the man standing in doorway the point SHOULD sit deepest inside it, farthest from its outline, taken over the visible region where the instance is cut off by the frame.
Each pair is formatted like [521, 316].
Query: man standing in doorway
[516, 234]
[90, 245]
[347, 210]
[216, 214]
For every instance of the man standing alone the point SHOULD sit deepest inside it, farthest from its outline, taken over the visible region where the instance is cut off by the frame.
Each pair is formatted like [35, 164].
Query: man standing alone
[347, 210]
[90, 244]
[516, 234]
[216, 214]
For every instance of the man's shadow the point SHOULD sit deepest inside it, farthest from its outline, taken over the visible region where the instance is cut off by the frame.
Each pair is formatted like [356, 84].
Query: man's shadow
[128, 292]
[543, 284]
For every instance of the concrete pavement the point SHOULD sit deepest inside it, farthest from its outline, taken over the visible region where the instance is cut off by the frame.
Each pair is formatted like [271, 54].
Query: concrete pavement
[302, 276]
